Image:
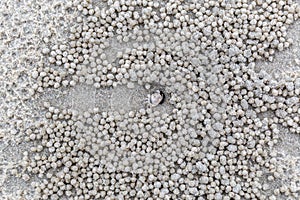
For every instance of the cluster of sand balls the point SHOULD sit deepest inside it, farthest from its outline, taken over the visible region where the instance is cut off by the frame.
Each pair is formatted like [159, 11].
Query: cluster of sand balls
[215, 142]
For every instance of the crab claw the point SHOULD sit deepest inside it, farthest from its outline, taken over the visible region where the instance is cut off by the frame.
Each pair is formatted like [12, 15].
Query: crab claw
[156, 98]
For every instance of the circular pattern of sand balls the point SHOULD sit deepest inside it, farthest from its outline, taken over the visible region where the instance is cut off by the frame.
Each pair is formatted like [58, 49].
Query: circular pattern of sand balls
[213, 145]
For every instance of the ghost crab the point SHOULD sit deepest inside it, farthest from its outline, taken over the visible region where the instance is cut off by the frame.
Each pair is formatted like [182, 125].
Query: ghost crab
[155, 98]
